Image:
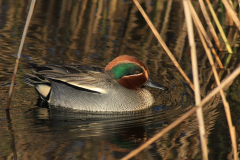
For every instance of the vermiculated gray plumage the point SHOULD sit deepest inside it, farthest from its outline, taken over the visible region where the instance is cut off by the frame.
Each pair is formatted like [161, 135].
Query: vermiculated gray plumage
[86, 88]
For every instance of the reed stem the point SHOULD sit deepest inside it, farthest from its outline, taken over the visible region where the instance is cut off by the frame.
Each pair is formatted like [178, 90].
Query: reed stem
[232, 13]
[209, 23]
[20, 51]
[195, 78]
[210, 45]
[224, 83]
[225, 103]
[157, 35]
[221, 32]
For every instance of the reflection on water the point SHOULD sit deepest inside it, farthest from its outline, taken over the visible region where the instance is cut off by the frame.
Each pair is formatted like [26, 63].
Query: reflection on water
[95, 32]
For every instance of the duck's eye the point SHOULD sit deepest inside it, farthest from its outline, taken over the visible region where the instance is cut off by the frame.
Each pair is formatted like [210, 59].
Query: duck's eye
[137, 72]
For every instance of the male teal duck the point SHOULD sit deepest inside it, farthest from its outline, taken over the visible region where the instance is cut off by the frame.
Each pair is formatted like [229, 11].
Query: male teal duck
[117, 88]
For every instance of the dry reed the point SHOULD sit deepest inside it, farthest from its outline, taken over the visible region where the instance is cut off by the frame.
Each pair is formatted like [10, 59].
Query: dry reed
[225, 103]
[162, 43]
[210, 45]
[210, 26]
[20, 50]
[232, 13]
[224, 83]
[192, 45]
[235, 37]
[221, 32]
[198, 102]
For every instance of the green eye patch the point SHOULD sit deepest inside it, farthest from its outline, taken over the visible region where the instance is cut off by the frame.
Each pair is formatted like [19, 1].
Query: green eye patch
[126, 69]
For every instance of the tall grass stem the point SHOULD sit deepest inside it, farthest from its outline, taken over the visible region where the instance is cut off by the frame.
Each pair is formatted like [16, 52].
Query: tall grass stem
[210, 45]
[209, 23]
[225, 103]
[232, 13]
[20, 51]
[221, 33]
[162, 43]
[186, 6]
[224, 83]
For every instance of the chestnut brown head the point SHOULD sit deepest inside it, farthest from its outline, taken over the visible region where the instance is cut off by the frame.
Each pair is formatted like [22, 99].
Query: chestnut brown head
[130, 72]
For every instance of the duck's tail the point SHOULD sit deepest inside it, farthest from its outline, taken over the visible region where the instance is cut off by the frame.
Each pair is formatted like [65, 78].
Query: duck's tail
[42, 85]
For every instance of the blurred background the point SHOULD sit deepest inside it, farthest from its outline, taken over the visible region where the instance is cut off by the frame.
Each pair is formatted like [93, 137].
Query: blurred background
[95, 32]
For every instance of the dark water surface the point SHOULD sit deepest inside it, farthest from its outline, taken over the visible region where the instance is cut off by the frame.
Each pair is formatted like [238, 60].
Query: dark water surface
[95, 32]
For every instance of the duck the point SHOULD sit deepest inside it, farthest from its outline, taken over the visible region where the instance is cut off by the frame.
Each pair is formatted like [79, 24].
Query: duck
[118, 87]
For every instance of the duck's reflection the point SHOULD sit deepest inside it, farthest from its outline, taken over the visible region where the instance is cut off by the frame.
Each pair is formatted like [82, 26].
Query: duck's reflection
[116, 133]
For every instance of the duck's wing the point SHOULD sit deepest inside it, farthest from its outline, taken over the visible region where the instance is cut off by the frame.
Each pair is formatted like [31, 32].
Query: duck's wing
[90, 78]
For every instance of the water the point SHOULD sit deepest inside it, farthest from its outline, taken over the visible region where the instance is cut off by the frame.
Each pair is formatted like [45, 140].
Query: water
[95, 32]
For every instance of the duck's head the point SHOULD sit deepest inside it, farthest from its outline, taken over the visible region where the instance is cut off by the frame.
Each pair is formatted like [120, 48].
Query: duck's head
[131, 73]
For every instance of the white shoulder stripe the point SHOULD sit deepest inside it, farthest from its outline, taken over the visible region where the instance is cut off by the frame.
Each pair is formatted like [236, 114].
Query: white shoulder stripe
[92, 88]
